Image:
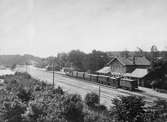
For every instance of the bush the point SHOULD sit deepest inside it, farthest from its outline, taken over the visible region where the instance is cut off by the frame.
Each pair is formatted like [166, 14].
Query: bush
[25, 94]
[12, 111]
[12, 85]
[92, 116]
[101, 107]
[128, 109]
[92, 99]
[73, 108]
[36, 112]
[24, 75]
[161, 109]
[58, 90]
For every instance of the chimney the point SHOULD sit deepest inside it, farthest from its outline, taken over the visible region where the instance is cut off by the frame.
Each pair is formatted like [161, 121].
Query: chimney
[134, 60]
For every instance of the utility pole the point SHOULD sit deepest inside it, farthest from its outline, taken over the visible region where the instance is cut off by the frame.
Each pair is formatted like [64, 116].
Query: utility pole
[53, 74]
[99, 101]
[26, 68]
[99, 93]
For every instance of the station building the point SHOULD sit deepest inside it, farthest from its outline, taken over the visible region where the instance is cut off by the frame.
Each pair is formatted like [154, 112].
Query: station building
[135, 67]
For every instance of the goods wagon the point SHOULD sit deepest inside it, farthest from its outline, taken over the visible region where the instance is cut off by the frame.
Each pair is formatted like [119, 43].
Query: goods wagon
[81, 75]
[87, 76]
[128, 84]
[94, 78]
[103, 79]
[106, 80]
[75, 74]
[69, 74]
[115, 82]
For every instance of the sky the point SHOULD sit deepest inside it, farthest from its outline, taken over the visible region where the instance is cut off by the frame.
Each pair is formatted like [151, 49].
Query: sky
[47, 27]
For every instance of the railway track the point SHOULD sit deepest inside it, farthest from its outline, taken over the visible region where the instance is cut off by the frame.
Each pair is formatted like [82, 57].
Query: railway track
[82, 87]
[107, 94]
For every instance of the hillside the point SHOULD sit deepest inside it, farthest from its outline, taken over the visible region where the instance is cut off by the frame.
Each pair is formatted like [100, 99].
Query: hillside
[9, 60]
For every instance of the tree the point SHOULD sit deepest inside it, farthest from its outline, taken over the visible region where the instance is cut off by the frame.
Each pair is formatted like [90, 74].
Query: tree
[157, 73]
[154, 52]
[76, 58]
[95, 60]
[139, 52]
[125, 53]
[92, 99]
[159, 68]
[155, 83]
[128, 109]
[63, 59]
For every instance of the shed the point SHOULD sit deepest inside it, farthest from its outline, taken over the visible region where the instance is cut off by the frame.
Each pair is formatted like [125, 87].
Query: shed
[138, 74]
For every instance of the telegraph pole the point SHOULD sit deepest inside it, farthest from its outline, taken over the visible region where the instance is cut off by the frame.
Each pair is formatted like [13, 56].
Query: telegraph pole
[53, 74]
[99, 101]
[99, 93]
[26, 68]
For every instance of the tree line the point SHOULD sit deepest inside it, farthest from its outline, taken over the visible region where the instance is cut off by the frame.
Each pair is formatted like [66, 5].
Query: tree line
[80, 60]
[97, 59]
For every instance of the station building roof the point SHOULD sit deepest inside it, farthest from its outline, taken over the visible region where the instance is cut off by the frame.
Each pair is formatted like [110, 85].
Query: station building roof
[140, 60]
[104, 70]
[137, 73]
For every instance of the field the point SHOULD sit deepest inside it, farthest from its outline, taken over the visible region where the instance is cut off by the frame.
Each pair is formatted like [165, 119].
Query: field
[82, 87]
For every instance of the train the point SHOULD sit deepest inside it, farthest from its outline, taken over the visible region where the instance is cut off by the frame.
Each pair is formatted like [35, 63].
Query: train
[116, 82]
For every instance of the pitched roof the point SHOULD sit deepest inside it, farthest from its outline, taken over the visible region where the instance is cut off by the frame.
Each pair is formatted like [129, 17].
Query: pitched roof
[140, 60]
[105, 70]
[131, 60]
[137, 73]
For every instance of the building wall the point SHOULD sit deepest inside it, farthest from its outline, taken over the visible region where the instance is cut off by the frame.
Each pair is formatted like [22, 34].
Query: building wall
[116, 66]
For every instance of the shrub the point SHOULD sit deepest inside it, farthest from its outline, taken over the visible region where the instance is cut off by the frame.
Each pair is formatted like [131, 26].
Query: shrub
[128, 109]
[73, 108]
[161, 109]
[58, 90]
[13, 111]
[25, 94]
[92, 116]
[101, 107]
[91, 99]
[24, 75]
[36, 112]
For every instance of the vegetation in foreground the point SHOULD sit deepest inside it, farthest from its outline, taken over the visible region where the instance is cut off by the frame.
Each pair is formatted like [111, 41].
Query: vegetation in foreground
[25, 99]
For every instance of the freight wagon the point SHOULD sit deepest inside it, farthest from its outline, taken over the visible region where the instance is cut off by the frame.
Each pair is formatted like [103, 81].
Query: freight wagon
[103, 79]
[128, 84]
[75, 74]
[94, 78]
[115, 82]
[106, 80]
[81, 75]
[87, 76]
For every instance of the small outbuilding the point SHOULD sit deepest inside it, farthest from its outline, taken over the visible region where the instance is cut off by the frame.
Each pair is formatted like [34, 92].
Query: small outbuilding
[138, 74]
